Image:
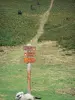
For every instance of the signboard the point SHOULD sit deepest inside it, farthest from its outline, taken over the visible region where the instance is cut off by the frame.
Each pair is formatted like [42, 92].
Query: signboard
[29, 60]
[30, 48]
[29, 57]
[29, 54]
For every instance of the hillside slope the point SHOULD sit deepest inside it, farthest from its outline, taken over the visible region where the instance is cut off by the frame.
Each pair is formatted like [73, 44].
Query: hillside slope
[60, 26]
[19, 29]
[53, 73]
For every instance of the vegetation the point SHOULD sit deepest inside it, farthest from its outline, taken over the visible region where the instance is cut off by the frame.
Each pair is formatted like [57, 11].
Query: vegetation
[60, 26]
[19, 29]
[51, 82]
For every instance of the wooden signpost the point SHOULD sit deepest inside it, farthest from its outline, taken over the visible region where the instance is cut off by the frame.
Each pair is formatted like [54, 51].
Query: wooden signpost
[29, 57]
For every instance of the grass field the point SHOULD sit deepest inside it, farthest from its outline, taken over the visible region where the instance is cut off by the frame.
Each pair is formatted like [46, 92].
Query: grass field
[19, 29]
[53, 73]
[51, 82]
[60, 26]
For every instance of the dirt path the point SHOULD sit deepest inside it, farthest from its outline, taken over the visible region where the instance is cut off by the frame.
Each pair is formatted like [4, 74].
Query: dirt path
[43, 21]
[18, 51]
[46, 53]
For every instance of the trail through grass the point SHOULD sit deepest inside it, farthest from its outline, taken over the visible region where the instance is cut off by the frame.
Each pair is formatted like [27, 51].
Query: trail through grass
[60, 24]
[19, 29]
[53, 73]
[43, 21]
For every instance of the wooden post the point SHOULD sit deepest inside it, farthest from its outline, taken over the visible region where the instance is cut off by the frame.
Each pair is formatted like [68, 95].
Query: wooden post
[29, 77]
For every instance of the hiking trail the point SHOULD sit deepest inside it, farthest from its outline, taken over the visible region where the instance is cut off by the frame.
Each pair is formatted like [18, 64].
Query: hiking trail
[43, 21]
[46, 52]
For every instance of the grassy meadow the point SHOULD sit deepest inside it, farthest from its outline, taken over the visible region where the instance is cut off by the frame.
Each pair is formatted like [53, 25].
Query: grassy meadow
[60, 26]
[19, 29]
[50, 81]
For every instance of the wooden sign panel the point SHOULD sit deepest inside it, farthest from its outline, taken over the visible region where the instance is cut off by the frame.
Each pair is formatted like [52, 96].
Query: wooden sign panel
[30, 48]
[29, 54]
[29, 60]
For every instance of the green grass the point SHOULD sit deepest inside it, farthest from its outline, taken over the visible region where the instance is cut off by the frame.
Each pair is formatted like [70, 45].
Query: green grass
[50, 82]
[46, 81]
[19, 29]
[60, 26]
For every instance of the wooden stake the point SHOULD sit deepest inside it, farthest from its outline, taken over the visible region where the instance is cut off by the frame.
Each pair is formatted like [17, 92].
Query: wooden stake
[29, 77]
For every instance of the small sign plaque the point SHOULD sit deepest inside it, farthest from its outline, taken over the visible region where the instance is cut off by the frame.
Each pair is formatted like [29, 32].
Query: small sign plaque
[29, 54]
[29, 60]
[30, 48]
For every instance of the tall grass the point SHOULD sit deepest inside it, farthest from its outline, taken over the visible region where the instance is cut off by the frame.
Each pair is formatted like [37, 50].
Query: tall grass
[60, 26]
[47, 81]
[19, 29]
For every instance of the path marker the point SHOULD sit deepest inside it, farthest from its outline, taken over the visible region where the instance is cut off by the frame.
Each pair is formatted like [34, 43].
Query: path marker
[29, 57]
